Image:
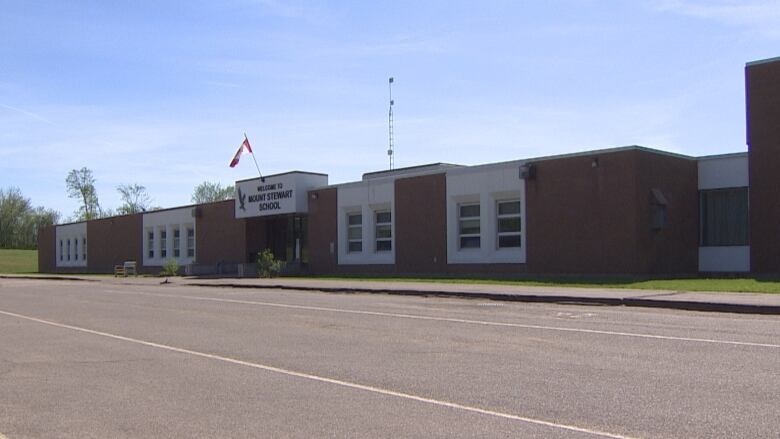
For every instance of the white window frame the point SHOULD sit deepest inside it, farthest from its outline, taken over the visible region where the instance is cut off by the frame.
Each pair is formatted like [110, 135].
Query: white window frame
[190, 242]
[365, 197]
[460, 219]
[499, 217]
[357, 227]
[68, 245]
[163, 233]
[378, 224]
[176, 242]
[150, 244]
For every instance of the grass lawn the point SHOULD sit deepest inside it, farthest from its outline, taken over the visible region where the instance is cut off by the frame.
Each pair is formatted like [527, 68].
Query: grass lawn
[26, 261]
[18, 261]
[743, 285]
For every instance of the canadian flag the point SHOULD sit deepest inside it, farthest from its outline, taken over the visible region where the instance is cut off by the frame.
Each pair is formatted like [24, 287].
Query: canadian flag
[244, 147]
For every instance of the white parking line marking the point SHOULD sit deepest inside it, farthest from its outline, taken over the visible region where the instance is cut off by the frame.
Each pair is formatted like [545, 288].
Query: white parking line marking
[322, 379]
[454, 320]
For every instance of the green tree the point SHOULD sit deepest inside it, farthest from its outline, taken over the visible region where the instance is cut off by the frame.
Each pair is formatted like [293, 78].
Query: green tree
[268, 265]
[13, 209]
[19, 221]
[81, 186]
[171, 268]
[134, 199]
[208, 192]
[34, 220]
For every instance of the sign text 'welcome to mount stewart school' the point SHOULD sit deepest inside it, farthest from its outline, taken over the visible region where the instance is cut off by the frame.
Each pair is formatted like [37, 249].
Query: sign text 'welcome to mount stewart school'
[268, 194]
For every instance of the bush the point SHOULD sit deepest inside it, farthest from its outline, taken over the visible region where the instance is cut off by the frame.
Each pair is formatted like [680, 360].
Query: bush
[171, 268]
[268, 265]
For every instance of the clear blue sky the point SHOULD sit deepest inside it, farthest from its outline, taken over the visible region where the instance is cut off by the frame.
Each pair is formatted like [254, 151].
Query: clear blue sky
[160, 93]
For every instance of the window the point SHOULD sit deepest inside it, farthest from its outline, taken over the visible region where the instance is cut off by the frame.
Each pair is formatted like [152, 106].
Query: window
[509, 224]
[175, 243]
[69, 249]
[150, 243]
[354, 232]
[190, 243]
[76, 249]
[468, 226]
[384, 231]
[84, 249]
[61, 250]
[723, 217]
[163, 244]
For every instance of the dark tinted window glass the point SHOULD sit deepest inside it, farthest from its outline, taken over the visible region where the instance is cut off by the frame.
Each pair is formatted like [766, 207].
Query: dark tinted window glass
[724, 217]
[354, 233]
[469, 227]
[469, 242]
[383, 232]
[509, 241]
[469, 211]
[507, 225]
[509, 208]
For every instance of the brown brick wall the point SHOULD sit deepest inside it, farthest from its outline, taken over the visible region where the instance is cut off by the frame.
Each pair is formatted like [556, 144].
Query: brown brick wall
[219, 236]
[47, 249]
[323, 230]
[672, 249]
[421, 224]
[581, 218]
[763, 138]
[112, 241]
[598, 220]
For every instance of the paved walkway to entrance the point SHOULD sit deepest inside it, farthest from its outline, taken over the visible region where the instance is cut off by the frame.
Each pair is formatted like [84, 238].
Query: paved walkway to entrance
[698, 301]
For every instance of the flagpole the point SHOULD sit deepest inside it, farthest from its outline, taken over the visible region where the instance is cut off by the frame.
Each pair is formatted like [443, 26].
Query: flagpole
[255, 160]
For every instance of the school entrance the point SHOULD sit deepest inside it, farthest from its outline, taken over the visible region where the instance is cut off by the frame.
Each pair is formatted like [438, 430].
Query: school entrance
[275, 209]
[284, 235]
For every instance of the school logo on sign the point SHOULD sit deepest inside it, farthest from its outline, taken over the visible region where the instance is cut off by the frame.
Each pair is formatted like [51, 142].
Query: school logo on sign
[241, 200]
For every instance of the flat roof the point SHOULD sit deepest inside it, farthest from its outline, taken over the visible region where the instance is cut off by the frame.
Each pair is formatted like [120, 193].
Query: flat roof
[613, 150]
[143, 212]
[580, 154]
[434, 169]
[410, 170]
[723, 156]
[283, 173]
[763, 61]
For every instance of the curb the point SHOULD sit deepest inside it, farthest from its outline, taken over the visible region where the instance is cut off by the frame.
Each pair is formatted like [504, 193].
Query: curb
[739, 308]
[74, 279]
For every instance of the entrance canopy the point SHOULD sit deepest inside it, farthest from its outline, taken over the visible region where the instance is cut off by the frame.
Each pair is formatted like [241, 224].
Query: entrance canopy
[278, 194]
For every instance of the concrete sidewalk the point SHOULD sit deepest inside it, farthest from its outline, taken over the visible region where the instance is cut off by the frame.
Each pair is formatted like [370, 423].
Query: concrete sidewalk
[750, 303]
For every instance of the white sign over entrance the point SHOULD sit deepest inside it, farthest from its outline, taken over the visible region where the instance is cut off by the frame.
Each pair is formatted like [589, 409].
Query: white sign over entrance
[278, 194]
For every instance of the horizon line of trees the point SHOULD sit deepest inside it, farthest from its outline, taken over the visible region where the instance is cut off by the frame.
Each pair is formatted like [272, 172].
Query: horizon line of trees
[20, 221]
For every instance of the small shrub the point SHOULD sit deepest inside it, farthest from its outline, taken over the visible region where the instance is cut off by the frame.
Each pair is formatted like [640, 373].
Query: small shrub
[171, 268]
[268, 265]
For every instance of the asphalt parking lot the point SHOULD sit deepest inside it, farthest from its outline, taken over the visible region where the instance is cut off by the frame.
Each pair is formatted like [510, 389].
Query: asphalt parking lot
[90, 359]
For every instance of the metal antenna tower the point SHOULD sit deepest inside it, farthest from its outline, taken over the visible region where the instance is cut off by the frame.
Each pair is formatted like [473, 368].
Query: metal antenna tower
[390, 124]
